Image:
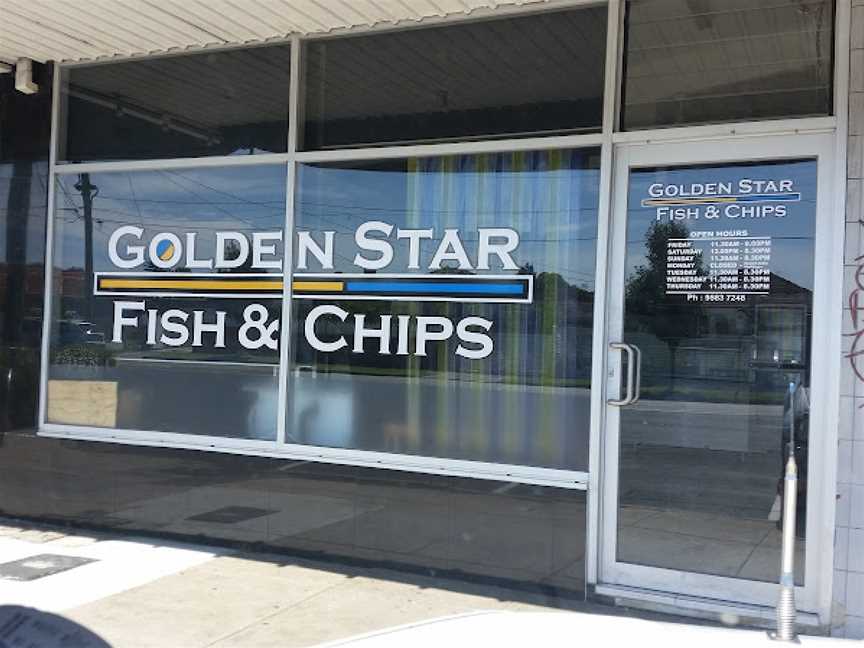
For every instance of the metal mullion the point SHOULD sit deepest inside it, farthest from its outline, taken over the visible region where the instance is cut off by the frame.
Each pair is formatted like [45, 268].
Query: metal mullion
[172, 163]
[49, 251]
[452, 148]
[599, 357]
[288, 244]
[569, 479]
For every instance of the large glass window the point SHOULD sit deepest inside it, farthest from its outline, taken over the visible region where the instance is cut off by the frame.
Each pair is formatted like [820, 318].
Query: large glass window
[444, 306]
[700, 61]
[233, 102]
[719, 298]
[166, 287]
[528, 75]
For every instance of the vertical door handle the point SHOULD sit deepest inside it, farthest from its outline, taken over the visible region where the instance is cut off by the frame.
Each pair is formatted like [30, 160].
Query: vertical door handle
[631, 373]
[637, 391]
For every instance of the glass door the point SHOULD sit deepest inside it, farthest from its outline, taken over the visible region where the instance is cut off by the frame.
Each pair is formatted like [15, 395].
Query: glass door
[710, 364]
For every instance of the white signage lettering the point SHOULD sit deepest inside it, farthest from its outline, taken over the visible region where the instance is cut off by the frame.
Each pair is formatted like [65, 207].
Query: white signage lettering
[194, 264]
[306, 245]
[135, 253]
[382, 247]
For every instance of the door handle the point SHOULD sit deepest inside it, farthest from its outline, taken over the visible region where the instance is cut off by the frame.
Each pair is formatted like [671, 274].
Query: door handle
[631, 373]
[637, 391]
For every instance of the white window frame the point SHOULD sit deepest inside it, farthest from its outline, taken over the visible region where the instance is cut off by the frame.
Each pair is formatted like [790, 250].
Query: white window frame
[761, 595]
[828, 298]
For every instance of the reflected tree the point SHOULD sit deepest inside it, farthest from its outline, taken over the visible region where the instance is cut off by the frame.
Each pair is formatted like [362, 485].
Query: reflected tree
[232, 253]
[669, 318]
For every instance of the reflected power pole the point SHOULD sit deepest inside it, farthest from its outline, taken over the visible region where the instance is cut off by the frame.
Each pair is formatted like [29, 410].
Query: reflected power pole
[88, 192]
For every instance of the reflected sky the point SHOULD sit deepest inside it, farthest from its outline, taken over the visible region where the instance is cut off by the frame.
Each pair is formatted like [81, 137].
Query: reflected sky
[243, 199]
[551, 206]
[549, 199]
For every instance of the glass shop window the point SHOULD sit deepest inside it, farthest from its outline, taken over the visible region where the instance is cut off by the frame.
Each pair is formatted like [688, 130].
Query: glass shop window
[704, 61]
[519, 76]
[166, 288]
[443, 307]
[233, 102]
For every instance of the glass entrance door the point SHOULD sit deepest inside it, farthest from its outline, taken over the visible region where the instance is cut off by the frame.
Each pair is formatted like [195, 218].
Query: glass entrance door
[711, 361]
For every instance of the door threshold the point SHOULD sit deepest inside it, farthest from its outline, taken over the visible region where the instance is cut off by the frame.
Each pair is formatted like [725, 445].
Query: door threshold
[729, 613]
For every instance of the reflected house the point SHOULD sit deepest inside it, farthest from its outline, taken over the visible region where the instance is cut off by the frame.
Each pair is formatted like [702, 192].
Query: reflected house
[741, 355]
[73, 287]
[33, 285]
[737, 351]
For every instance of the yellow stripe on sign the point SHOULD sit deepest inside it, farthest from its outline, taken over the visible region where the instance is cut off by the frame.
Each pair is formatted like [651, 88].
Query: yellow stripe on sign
[318, 286]
[688, 201]
[185, 284]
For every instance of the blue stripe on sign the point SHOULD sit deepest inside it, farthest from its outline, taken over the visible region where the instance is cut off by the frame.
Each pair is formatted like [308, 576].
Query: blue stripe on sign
[426, 288]
[768, 197]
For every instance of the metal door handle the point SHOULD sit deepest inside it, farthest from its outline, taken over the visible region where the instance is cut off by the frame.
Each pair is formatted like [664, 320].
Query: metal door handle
[631, 373]
[637, 391]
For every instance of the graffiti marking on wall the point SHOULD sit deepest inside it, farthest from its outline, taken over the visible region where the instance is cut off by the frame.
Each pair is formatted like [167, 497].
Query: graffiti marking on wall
[856, 306]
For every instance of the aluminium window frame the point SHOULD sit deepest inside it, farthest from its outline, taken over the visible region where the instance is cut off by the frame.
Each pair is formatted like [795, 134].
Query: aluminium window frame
[619, 573]
[606, 139]
[828, 298]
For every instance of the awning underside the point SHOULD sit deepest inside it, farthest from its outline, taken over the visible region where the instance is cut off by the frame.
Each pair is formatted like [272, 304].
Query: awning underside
[71, 30]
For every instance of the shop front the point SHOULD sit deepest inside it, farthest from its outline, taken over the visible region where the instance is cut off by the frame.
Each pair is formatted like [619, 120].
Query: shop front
[545, 297]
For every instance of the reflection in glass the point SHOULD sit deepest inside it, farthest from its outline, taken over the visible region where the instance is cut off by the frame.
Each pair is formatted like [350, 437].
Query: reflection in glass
[700, 61]
[24, 145]
[718, 298]
[516, 76]
[233, 102]
[23, 208]
[144, 382]
[527, 401]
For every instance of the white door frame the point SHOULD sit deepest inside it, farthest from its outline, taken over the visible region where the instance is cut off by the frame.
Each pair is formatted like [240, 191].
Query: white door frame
[824, 373]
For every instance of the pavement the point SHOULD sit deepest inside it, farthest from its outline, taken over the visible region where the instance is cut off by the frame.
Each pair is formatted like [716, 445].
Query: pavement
[140, 592]
[564, 630]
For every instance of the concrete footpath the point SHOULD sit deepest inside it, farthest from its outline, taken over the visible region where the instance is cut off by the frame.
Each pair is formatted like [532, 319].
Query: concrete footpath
[136, 592]
[140, 592]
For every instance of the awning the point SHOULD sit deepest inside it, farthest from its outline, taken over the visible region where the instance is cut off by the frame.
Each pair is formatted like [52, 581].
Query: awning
[73, 30]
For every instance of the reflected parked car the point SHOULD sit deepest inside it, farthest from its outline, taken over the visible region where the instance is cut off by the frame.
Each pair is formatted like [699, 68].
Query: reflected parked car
[80, 332]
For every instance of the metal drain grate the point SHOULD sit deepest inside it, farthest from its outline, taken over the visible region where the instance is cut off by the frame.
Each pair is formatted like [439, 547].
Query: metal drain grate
[39, 566]
[231, 514]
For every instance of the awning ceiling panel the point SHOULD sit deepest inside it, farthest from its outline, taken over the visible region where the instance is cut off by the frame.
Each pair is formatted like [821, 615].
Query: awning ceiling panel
[71, 30]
